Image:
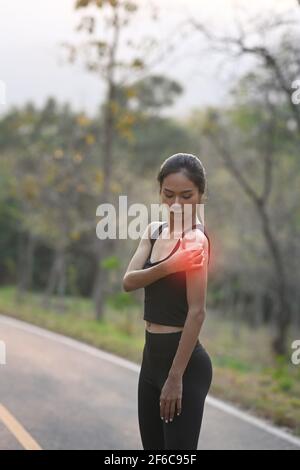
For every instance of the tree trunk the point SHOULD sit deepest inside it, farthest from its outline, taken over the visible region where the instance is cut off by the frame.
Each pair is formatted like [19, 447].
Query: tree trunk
[282, 315]
[57, 279]
[25, 264]
[100, 284]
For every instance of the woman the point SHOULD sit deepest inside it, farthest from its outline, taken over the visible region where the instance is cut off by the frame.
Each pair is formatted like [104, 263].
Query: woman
[176, 370]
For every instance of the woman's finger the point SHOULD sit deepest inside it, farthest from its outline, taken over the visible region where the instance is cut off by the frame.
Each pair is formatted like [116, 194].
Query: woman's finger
[197, 256]
[172, 409]
[162, 408]
[167, 410]
[198, 252]
[196, 259]
[197, 265]
[178, 406]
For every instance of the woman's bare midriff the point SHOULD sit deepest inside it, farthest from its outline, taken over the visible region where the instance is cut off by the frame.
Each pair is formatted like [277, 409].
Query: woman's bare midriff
[158, 328]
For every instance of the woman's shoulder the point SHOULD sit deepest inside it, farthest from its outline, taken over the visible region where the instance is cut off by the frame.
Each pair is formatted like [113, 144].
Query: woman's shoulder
[195, 238]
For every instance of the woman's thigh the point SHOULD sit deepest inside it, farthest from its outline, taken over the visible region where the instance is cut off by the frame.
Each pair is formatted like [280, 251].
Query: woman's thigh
[183, 432]
[150, 422]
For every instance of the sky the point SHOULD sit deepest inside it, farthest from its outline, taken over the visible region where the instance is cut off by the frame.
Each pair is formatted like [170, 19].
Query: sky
[31, 66]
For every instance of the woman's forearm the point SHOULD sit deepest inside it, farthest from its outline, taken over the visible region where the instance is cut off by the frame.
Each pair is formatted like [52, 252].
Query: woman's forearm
[142, 277]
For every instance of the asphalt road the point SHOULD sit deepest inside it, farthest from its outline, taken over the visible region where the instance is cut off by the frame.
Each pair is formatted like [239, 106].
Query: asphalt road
[57, 393]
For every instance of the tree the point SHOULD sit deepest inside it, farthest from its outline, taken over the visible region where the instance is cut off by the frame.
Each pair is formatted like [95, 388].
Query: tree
[274, 44]
[233, 144]
[101, 56]
[278, 60]
[54, 182]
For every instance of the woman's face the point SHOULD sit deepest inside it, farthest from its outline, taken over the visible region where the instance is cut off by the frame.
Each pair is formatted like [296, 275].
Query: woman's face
[179, 191]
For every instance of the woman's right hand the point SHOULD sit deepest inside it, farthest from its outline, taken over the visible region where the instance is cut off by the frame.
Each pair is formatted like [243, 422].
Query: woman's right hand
[185, 259]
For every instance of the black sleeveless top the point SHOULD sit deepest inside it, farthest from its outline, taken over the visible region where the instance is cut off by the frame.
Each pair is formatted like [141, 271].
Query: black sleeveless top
[165, 300]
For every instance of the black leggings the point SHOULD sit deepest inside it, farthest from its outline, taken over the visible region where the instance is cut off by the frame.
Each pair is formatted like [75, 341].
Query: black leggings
[183, 432]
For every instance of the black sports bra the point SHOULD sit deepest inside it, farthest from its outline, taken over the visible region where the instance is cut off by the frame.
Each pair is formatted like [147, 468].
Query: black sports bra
[165, 300]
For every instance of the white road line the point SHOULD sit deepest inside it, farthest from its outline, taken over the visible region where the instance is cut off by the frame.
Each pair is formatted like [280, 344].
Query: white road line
[85, 348]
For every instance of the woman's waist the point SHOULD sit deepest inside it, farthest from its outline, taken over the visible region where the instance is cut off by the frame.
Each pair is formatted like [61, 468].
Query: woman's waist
[164, 343]
[152, 327]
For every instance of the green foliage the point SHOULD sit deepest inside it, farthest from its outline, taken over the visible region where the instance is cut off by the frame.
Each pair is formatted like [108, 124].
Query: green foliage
[52, 175]
[121, 300]
[233, 363]
[110, 263]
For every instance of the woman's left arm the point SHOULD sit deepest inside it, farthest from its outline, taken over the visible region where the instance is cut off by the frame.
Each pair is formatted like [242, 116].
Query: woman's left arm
[196, 285]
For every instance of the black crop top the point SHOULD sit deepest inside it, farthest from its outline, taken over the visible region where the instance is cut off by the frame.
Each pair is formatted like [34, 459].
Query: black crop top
[165, 300]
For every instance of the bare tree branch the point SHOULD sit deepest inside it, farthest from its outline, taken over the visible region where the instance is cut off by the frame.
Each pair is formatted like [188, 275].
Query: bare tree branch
[238, 46]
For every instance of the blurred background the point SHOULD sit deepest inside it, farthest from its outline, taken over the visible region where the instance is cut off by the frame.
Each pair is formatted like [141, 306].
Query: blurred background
[95, 95]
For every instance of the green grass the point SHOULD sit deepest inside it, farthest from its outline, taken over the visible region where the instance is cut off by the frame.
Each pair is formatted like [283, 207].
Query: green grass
[245, 371]
[113, 333]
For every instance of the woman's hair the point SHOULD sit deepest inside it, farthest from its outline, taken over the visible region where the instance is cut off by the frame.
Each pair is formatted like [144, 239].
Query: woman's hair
[189, 164]
[192, 167]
